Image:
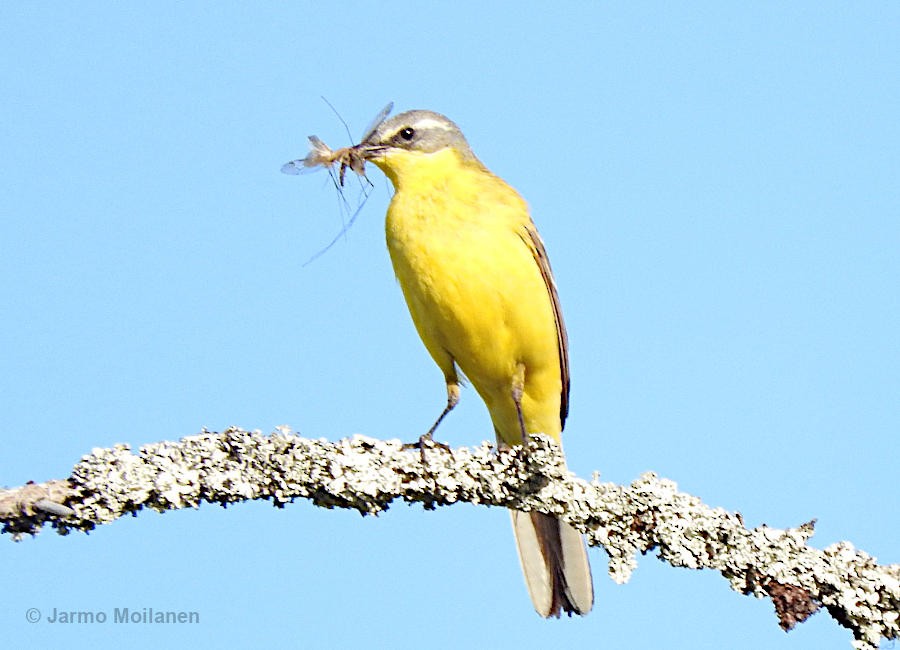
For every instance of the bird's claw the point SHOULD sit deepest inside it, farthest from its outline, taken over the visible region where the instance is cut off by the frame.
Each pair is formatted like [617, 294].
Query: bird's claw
[426, 441]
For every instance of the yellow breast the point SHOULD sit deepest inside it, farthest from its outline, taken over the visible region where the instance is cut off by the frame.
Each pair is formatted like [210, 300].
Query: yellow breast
[458, 241]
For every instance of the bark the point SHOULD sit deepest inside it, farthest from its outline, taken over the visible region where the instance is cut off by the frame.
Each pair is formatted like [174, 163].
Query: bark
[368, 475]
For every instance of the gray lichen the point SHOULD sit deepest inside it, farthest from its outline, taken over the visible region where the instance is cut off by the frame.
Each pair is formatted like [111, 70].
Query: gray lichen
[368, 475]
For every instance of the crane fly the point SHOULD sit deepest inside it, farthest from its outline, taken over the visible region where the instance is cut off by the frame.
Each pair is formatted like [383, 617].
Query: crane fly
[352, 157]
[321, 155]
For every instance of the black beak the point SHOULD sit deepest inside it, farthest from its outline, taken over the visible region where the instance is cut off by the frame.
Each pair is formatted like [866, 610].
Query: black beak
[369, 150]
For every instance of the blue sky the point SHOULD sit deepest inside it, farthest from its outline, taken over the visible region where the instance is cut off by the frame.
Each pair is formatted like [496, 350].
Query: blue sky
[718, 189]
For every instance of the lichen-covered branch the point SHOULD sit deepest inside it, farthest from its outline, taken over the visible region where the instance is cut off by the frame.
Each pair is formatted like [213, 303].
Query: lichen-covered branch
[368, 475]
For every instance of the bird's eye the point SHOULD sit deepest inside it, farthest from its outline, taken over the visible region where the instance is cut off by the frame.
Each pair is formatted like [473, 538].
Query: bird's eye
[407, 133]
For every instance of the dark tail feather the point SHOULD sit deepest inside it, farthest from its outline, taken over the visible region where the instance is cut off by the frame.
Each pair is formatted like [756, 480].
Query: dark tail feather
[554, 561]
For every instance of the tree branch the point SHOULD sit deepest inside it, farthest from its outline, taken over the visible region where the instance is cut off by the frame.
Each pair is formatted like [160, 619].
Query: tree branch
[367, 475]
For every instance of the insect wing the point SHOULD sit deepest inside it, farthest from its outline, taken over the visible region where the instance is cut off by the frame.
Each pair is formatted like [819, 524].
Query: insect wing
[294, 167]
[381, 117]
[320, 155]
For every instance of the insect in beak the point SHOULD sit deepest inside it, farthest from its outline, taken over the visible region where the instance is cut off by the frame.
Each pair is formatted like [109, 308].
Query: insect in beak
[321, 155]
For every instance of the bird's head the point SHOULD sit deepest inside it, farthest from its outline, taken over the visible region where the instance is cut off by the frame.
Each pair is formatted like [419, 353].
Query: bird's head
[415, 142]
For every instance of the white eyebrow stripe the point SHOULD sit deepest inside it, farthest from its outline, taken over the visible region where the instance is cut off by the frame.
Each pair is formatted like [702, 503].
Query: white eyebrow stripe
[431, 123]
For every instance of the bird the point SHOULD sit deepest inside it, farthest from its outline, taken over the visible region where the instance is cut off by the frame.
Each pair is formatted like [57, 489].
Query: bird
[478, 284]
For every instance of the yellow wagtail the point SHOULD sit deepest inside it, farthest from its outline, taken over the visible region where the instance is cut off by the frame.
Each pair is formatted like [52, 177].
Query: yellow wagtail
[478, 284]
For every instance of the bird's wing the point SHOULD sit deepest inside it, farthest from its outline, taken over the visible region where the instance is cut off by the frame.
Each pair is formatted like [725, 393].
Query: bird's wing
[536, 245]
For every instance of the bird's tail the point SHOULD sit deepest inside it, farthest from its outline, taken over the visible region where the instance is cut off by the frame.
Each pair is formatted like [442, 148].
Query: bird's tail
[555, 563]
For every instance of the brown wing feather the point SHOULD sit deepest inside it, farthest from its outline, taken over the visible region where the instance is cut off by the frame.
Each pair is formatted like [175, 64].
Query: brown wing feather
[536, 245]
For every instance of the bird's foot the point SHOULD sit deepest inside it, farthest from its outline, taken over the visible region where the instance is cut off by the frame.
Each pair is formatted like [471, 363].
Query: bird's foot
[427, 441]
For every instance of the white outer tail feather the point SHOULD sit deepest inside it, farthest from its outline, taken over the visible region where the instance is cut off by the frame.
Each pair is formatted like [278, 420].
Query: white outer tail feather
[555, 564]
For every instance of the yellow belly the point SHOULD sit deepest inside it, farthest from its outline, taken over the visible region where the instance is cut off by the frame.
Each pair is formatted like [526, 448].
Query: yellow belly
[477, 298]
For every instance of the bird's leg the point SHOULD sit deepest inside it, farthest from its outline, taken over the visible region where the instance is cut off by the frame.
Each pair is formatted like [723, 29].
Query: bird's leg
[427, 439]
[452, 401]
[518, 389]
